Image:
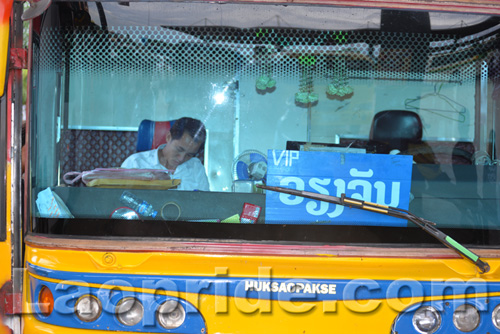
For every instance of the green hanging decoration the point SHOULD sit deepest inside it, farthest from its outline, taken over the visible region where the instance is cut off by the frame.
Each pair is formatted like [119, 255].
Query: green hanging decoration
[265, 83]
[306, 96]
[339, 84]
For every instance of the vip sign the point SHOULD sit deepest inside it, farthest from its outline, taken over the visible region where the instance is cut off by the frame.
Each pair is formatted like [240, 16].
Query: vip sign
[379, 178]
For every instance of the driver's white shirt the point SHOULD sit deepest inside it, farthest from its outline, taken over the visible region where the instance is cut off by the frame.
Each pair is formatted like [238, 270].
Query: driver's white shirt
[191, 173]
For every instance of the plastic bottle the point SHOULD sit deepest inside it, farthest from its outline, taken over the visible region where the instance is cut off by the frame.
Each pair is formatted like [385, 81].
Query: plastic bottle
[140, 206]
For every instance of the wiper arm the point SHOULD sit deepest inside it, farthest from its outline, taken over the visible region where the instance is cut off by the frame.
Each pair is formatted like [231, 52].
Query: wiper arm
[424, 224]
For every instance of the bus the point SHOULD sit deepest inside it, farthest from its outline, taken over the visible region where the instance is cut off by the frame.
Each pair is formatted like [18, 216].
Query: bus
[249, 167]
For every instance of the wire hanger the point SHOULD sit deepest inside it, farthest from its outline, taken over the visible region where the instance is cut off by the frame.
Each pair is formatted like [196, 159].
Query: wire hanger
[455, 112]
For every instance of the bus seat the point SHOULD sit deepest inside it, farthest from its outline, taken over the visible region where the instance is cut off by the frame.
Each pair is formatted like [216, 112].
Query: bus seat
[400, 130]
[395, 129]
[152, 134]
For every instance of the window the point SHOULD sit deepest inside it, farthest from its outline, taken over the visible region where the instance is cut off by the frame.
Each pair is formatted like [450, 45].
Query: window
[264, 79]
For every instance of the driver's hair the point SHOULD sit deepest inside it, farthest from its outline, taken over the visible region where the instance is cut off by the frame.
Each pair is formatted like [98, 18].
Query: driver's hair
[192, 126]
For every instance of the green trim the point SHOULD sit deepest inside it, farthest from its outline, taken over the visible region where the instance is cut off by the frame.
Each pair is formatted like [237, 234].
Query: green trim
[462, 249]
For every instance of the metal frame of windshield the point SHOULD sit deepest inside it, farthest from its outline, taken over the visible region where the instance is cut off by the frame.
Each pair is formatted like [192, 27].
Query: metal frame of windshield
[400, 238]
[3, 167]
[490, 7]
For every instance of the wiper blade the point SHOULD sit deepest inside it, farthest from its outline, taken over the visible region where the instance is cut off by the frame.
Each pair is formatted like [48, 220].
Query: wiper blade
[424, 224]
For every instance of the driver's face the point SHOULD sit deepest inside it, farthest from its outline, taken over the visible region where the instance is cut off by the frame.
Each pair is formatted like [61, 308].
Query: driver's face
[178, 151]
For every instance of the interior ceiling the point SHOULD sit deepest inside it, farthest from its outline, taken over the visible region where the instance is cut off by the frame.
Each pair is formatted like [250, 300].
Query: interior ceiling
[260, 15]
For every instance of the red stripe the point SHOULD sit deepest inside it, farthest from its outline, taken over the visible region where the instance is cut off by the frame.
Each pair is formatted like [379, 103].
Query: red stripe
[160, 135]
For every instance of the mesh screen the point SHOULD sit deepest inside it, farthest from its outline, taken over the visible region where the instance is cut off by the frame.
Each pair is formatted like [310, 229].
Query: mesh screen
[278, 52]
[83, 150]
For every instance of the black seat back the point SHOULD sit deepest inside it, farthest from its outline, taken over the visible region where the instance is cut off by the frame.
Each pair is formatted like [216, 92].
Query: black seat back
[395, 129]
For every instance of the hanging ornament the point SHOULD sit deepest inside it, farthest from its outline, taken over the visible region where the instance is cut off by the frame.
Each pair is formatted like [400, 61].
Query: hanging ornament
[265, 83]
[306, 96]
[339, 84]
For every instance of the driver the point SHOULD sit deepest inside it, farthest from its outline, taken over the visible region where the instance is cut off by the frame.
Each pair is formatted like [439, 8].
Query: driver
[184, 140]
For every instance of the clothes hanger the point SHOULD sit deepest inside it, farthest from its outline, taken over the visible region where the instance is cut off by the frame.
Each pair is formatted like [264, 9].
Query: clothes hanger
[455, 112]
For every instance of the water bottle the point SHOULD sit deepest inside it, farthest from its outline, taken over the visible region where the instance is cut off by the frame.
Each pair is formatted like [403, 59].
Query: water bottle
[140, 206]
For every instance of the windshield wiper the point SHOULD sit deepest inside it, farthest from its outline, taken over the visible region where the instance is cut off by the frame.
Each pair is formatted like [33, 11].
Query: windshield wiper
[424, 224]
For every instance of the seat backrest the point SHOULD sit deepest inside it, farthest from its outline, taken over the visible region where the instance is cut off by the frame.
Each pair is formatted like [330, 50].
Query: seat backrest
[152, 134]
[395, 129]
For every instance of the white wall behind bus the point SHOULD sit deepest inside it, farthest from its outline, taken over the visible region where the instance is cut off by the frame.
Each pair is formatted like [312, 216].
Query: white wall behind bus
[249, 120]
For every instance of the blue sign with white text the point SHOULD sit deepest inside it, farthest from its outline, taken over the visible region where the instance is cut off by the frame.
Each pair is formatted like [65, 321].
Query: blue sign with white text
[378, 178]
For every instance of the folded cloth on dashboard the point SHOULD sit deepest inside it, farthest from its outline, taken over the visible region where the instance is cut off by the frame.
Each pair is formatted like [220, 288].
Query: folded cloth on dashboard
[123, 178]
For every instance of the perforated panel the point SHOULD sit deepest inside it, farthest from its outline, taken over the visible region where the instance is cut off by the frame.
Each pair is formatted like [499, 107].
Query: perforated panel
[276, 52]
[83, 150]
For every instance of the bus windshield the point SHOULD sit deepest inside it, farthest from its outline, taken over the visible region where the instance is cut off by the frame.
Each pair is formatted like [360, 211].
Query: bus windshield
[161, 119]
